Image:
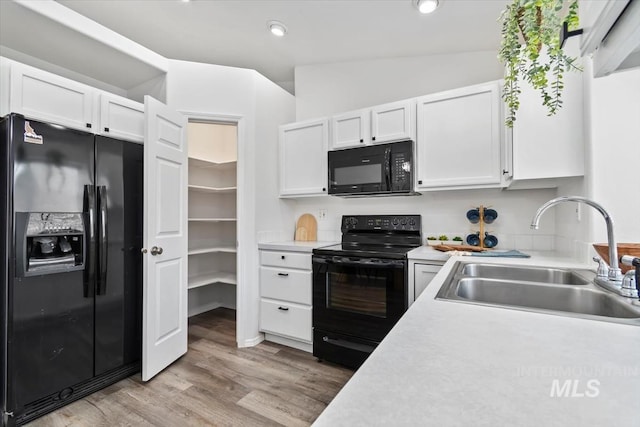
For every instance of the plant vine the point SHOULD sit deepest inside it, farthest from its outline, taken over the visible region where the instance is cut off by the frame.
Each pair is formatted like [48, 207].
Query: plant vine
[529, 28]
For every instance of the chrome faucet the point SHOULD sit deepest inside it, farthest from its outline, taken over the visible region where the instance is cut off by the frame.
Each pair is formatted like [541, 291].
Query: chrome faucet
[614, 278]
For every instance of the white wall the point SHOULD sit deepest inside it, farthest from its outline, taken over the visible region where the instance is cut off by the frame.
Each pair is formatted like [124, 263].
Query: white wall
[445, 212]
[326, 89]
[61, 71]
[612, 157]
[216, 90]
[614, 146]
[274, 106]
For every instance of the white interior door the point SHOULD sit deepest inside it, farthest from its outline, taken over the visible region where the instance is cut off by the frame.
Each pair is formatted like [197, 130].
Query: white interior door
[164, 330]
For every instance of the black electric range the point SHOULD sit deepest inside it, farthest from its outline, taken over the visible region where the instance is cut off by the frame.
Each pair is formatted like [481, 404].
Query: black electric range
[360, 285]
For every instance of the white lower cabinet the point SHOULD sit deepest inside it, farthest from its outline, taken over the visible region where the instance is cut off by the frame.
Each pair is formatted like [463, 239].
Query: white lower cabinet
[285, 298]
[421, 273]
[286, 319]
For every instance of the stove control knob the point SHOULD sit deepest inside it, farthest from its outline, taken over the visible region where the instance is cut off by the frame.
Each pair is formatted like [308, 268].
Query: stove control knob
[395, 221]
[412, 222]
[403, 221]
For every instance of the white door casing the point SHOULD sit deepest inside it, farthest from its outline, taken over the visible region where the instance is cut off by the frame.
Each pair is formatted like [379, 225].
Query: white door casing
[164, 323]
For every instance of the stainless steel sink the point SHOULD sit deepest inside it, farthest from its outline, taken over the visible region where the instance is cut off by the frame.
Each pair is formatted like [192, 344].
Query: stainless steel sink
[527, 274]
[544, 290]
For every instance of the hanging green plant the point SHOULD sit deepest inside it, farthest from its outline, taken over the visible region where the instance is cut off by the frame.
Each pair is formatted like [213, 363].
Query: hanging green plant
[531, 51]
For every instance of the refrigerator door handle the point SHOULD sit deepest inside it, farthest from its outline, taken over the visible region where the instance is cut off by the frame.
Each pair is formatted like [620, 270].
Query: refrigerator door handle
[103, 245]
[90, 245]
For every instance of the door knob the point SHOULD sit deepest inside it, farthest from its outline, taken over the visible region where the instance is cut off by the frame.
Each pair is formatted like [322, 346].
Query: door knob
[156, 250]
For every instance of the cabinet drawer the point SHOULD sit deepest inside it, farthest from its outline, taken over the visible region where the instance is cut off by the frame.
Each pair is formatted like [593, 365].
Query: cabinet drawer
[284, 284]
[281, 318]
[286, 259]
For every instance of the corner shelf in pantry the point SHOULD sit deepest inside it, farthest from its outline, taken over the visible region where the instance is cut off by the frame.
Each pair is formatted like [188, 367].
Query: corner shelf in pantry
[205, 189]
[212, 219]
[213, 250]
[208, 164]
[211, 278]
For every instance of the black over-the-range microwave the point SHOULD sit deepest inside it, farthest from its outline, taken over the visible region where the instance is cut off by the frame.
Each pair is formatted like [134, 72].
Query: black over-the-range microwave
[374, 170]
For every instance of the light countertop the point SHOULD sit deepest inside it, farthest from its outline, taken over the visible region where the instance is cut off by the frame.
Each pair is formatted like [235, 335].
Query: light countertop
[449, 363]
[294, 246]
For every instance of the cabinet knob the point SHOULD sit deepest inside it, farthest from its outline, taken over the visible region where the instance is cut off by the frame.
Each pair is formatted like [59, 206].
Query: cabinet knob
[373, 138]
[89, 125]
[504, 171]
[106, 129]
[419, 181]
[282, 257]
[361, 140]
[324, 189]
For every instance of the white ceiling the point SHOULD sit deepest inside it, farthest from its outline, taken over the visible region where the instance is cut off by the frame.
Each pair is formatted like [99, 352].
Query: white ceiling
[234, 32]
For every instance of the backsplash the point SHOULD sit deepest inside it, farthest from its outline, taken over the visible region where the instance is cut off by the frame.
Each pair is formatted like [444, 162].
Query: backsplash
[445, 213]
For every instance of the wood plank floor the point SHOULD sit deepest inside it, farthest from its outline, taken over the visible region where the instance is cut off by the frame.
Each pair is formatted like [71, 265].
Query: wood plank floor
[215, 384]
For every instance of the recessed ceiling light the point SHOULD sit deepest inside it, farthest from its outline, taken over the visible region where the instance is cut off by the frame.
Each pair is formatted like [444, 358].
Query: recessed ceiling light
[427, 6]
[277, 28]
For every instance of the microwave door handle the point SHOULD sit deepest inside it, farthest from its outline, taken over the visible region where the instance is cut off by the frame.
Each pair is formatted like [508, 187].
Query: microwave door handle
[387, 168]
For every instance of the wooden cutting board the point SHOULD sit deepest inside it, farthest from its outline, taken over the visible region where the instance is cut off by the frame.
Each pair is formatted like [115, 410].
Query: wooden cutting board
[447, 248]
[306, 228]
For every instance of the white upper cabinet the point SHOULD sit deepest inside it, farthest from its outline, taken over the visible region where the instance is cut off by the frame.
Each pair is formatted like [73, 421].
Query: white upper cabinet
[41, 95]
[45, 96]
[121, 118]
[548, 147]
[461, 138]
[303, 158]
[376, 125]
[611, 34]
[392, 122]
[350, 129]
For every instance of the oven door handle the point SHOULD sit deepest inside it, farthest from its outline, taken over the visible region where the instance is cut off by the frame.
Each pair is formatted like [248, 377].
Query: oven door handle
[360, 262]
[348, 344]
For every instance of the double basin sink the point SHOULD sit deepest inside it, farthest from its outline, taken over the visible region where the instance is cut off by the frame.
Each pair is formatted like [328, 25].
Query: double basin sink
[545, 290]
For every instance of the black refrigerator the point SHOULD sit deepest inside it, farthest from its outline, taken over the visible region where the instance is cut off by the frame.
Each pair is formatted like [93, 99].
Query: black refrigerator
[71, 235]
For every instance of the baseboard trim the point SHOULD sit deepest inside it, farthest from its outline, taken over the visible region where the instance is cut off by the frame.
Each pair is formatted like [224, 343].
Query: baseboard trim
[289, 342]
[251, 342]
[204, 308]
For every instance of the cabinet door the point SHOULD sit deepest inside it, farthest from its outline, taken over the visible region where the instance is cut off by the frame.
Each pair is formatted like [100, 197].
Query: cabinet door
[391, 122]
[303, 158]
[460, 134]
[350, 129]
[550, 146]
[44, 96]
[423, 274]
[121, 118]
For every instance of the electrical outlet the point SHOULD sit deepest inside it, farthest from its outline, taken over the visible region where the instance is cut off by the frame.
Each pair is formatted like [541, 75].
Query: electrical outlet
[322, 214]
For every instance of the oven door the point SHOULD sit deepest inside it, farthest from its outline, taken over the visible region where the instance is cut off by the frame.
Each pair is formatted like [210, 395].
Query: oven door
[359, 170]
[358, 297]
